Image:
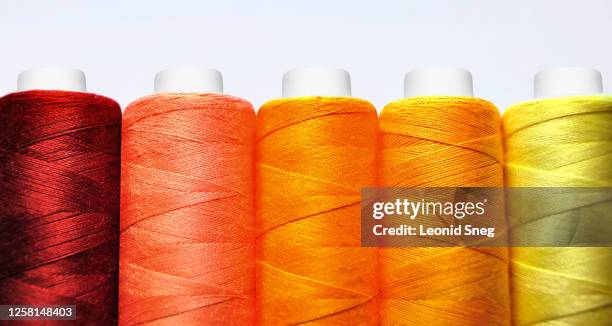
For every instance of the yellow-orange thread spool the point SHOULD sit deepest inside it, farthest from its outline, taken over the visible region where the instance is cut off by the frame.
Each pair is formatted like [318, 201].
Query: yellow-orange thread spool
[560, 142]
[314, 154]
[442, 141]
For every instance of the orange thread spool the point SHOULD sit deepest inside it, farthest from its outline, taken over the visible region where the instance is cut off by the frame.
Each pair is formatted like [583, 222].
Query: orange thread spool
[442, 141]
[187, 246]
[314, 154]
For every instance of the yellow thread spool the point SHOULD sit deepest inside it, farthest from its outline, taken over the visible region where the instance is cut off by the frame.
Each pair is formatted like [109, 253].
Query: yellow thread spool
[560, 142]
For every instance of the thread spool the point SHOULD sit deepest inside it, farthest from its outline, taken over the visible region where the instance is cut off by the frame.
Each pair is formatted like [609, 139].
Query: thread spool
[562, 139]
[567, 81]
[189, 79]
[433, 140]
[59, 215]
[53, 78]
[187, 245]
[314, 154]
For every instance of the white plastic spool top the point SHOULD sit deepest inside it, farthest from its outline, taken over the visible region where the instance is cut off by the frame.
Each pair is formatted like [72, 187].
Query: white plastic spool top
[568, 81]
[189, 79]
[316, 81]
[438, 82]
[52, 78]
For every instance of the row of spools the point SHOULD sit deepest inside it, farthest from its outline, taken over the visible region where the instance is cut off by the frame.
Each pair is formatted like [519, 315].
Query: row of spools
[223, 216]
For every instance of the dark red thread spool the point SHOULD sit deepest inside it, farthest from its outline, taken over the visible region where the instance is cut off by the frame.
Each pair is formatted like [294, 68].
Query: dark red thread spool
[59, 202]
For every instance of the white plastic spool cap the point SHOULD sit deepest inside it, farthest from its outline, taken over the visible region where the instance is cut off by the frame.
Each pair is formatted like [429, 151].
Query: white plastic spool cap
[189, 79]
[570, 81]
[316, 81]
[438, 81]
[52, 78]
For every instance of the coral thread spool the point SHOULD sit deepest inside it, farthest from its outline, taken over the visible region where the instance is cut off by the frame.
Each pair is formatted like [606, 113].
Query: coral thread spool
[315, 151]
[187, 187]
[59, 216]
[441, 136]
[561, 139]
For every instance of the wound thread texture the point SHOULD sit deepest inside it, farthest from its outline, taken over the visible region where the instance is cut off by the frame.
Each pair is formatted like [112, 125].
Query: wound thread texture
[440, 141]
[314, 155]
[187, 187]
[59, 210]
[562, 142]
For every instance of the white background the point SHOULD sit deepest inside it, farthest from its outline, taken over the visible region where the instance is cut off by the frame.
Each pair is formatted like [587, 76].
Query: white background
[121, 45]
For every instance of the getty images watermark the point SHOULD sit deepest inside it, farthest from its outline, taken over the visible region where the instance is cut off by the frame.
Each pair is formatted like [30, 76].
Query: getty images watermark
[37, 312]
[486, 217]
